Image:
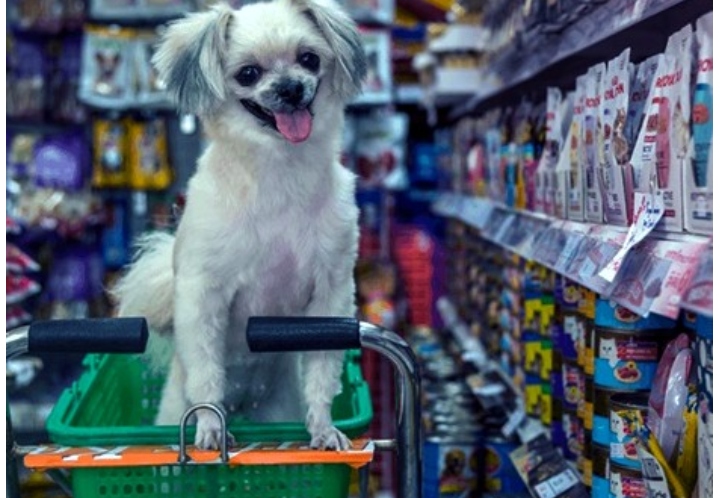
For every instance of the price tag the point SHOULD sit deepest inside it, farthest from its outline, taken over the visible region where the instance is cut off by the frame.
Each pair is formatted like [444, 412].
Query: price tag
[513, 422]
[649, 209]
[557, 484]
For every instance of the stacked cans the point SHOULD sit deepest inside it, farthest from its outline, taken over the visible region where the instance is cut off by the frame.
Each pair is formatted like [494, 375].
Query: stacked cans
[626, 352]
[586, 362]
[464, 453]
[703, 346]
[541, 360]
[567, 337]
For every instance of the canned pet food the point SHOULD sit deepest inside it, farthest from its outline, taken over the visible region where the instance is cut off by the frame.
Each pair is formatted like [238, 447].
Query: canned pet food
[614, 316]
[571, 380]
[587, 470]
[601, 414]
[600, 471]
[589, 397]
[571, 335]
[628, 360]
[588, 348]
[452, 466]
[500, 474]
[703, 346]
[625, 482]
[572, 427]
[627, 415]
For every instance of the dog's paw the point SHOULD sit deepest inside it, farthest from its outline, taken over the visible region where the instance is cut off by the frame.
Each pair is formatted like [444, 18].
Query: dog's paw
[329, 438]
[208, 435]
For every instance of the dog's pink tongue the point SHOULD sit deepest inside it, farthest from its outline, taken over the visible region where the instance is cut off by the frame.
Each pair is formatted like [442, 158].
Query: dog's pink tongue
[295, 126]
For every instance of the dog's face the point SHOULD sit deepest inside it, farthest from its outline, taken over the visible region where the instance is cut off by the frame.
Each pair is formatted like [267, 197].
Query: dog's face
[278, 70]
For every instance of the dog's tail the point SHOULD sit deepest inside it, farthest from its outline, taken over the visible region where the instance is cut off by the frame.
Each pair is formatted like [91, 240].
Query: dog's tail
[146, 289]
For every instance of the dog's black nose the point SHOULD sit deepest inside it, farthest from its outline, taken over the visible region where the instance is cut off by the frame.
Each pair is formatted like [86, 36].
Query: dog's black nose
[290, 91]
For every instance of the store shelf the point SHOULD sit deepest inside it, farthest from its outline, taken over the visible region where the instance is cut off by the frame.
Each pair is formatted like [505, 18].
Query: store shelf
[491, 385]
[598, 35]
[662, 274]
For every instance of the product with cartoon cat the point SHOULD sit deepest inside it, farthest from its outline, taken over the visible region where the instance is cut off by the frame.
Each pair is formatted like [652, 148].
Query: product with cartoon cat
[628, 413]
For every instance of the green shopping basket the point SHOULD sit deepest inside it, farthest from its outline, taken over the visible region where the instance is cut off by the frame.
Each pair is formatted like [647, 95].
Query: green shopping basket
[114, 402]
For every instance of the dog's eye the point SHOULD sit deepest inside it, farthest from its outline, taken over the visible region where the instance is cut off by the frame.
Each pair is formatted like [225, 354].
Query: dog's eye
[309, 61]
[248, 75]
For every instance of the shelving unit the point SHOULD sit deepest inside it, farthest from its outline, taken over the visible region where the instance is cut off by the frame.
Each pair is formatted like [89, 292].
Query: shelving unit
[580, 250]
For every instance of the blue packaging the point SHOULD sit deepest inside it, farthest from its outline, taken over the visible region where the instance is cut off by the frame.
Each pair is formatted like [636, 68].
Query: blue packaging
[500, 473]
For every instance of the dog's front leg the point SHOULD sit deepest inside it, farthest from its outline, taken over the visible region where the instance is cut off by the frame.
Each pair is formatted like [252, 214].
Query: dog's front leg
[323, 369]
[201, 320]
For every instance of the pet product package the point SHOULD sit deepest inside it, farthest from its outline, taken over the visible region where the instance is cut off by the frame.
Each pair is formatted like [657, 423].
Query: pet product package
[639, 94]
[570, 169]
[110, 161]
[664, 140]
[616, 178]
[138, 9]
[107, 67]
[150, 89]
[148, 156]
[593, 143]
[26, 79]
[698, 177]
[544, 193]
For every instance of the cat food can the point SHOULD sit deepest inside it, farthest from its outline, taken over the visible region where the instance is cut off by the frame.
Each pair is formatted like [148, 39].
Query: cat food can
[625, 482]
[703, 348]
[600, 471]
[589, 397]
[628, 413]
[452, 466]
[628, 360]
[601, 414]
[574, 435]
[500, 474]
[571, 384]
[588, 348]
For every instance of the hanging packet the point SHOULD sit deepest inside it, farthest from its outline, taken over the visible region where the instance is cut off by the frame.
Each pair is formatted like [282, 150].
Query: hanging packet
[593, 143]
[639, 95]
[107, 66]
[664, 140]
[150, 88]
[148, 154]
[110, 161]
[698, 178]
[575, 157]
[616, 185]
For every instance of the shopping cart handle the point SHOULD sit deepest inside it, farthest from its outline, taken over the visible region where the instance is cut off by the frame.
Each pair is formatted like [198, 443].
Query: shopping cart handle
[102, 335]
[275, 334]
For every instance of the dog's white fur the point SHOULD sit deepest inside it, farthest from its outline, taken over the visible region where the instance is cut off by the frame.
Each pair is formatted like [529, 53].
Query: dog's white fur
[269, 227]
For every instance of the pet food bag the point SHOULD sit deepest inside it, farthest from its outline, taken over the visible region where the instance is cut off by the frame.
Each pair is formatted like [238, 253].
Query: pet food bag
[148, 157]
[576, 156]
[107, 64]
[639, 94]
[544, 193]
[110, 150]
[150, 88]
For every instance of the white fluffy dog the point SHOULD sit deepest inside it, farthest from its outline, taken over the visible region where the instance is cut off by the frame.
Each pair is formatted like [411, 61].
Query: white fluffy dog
[270, 223]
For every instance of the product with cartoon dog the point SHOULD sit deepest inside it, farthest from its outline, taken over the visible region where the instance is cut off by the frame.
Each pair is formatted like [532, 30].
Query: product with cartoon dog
[110, 152]
[149, 162]
[107, 66]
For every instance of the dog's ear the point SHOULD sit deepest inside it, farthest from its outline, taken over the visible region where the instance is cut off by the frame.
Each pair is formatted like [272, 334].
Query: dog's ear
[342, 35]
[189, 59]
